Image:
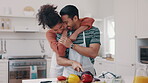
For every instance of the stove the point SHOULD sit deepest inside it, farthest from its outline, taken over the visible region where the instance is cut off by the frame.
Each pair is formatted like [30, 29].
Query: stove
[19, 67]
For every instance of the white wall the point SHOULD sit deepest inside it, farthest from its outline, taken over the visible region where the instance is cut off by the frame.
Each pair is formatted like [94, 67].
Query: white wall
[92, 8]
[97, 8]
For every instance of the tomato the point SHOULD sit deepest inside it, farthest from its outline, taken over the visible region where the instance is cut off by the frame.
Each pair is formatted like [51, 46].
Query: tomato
[60, 78]
[72, 78]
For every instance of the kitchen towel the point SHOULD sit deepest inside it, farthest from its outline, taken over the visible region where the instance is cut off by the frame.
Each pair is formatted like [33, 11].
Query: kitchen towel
[33, 72]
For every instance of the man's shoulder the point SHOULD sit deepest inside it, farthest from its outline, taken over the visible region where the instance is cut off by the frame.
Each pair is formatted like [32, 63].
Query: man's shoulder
[93, 29]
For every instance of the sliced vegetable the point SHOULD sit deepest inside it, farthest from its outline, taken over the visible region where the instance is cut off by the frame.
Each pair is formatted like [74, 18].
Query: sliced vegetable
[60, 78]
[96, 79]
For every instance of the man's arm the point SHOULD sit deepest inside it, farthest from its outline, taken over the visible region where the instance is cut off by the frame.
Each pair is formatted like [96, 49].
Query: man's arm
[66, 62]
[91, 51]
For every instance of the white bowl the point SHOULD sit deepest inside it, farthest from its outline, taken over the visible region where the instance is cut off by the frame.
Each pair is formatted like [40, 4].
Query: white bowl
[29, 13]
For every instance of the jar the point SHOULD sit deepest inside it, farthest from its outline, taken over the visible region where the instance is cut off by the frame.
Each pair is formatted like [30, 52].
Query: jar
[141, 75]
[7, 23]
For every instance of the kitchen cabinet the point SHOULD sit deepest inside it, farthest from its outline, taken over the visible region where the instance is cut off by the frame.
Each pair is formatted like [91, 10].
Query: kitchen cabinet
[126, 71]
[3, 71]
[101, 65]
[98, 67]
[142, 17]
[125, 23]
[21, 23]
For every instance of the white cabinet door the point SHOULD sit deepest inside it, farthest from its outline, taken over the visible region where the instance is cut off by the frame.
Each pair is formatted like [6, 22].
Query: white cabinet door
[127, 72]
[109, 67]
[125, 23]
[3, 71]
[125, 35]
[98, 67]
[101, 65]
[142, 28]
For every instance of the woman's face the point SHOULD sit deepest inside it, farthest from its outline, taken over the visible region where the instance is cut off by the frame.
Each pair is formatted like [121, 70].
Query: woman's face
[59, 28]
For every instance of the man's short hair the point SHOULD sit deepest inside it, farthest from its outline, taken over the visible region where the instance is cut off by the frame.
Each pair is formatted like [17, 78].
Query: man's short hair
[70, 10]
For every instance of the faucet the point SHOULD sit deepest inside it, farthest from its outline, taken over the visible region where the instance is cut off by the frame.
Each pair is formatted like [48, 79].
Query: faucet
[5, 51]
[1, 51]
[3, 47]
[41, 42]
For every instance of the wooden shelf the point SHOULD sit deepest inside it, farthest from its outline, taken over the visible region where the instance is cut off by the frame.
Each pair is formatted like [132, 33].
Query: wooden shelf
[17, 16]
[6, 30]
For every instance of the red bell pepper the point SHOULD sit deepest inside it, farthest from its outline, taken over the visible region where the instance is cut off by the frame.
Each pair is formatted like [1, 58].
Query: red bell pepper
[86, 78]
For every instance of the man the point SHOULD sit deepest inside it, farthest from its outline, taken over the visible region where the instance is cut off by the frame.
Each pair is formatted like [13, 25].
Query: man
[84, 49]
[49, 18]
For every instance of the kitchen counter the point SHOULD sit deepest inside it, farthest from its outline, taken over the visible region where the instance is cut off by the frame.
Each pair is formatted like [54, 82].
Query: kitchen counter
[54, 80]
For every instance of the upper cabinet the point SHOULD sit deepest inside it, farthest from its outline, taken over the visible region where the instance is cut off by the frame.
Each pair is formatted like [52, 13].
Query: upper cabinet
[142, 17]
[21, 23]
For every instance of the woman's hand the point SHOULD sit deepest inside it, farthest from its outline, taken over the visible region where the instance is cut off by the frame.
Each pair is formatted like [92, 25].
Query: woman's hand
[64, 34]
[65, 41]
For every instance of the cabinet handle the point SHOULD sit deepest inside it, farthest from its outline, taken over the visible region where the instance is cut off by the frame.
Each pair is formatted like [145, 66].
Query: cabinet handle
[27, 28]
[132, 64]
[100, 63]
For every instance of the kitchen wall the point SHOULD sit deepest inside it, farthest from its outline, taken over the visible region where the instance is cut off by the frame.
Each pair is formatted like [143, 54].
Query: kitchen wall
[98, 9]
[95, 8]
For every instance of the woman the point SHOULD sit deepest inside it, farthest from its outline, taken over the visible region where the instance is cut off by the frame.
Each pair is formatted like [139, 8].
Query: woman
[49, 18]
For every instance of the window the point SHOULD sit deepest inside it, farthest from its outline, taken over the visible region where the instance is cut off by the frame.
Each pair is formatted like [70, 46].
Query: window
[109, 36]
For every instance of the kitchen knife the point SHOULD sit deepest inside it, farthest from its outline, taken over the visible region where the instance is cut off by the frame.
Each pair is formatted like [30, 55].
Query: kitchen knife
[46, 82]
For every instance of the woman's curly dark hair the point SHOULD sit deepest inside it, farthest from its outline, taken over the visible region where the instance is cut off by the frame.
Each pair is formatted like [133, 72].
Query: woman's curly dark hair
[47, 16]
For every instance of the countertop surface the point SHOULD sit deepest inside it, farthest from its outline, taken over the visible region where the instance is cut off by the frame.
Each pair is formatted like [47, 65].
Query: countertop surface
[54, 80]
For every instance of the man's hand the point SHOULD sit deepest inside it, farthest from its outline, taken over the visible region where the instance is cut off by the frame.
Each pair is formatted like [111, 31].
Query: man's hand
[77, 66]
[65, 41]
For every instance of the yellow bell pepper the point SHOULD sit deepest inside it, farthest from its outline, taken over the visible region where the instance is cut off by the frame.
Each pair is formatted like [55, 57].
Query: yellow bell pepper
[72, 78]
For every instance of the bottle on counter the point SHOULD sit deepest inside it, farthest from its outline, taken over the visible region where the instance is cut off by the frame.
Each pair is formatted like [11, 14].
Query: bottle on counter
[2, 23]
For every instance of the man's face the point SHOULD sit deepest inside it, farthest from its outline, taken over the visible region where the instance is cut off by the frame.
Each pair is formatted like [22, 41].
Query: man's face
[68, 21]
[59, 28]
